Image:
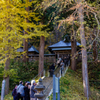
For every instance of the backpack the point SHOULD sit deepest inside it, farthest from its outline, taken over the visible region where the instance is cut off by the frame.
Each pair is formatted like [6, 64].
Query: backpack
[13, 92]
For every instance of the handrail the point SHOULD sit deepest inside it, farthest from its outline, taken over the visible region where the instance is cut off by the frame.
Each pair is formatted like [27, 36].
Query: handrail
[51, 81]
[59, 77]
[39, 74]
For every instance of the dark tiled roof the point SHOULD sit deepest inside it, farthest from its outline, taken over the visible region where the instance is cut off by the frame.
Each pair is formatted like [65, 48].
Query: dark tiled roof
[59, 44]
[62, 44]
[31, 49]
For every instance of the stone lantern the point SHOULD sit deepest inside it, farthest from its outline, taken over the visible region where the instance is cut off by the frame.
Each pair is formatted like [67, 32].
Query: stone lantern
[40, 95]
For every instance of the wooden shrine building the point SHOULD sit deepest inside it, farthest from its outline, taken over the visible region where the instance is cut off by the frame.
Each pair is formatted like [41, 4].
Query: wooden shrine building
[31, 50]
[33, 55]
[62, 49]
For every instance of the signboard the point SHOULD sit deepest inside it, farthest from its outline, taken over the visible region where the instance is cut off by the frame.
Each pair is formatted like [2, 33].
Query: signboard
[56, 88]
[56, 84]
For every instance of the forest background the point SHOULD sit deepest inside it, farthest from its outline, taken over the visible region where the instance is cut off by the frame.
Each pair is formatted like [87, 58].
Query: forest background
[44, 23]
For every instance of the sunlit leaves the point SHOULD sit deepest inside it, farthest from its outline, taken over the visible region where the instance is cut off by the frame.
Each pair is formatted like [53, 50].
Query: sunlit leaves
[14, 20]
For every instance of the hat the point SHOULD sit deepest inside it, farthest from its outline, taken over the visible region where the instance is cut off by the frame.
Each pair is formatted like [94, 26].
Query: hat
[28, 83]
[20, 82]
[32, 82]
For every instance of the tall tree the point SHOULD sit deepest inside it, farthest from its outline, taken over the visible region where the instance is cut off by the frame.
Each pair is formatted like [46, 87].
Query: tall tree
[25, 42]
[12, 21]
[25, 48]
[78, 8]
[84, 50]
[7, 63]
[41, 55]
[73, 50]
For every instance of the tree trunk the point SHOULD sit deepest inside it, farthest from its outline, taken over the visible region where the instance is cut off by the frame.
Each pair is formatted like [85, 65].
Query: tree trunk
[25, 43]
[7, 63]
[41, 55]
[73, 52]
[84, 52]
[25, 48]
[6, 68]
[95, 51]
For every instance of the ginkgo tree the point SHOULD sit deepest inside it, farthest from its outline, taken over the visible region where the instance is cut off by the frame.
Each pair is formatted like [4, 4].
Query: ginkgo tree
[13, 23]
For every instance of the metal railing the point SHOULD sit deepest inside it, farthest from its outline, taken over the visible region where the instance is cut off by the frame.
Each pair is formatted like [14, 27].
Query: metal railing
[43, 74]
[58, 74]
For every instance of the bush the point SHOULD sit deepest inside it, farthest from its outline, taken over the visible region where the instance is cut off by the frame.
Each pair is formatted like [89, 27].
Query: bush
[46, 65]
[93, 73]
[22, 71]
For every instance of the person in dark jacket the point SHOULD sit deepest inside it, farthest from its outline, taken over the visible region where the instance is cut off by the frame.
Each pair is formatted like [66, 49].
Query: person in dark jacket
[66, 61]
[27, 91]
[51, 70]
[14, 93]
[32, 90]
[62, 67]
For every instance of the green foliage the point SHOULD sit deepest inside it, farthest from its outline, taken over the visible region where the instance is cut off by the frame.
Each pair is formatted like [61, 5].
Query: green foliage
[22, 71]
[71, 87]
[8, 97]
[19, 71]
[93, 73]
[46, 65]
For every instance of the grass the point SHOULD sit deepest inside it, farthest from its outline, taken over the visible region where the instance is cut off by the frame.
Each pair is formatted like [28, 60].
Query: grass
[71, 88]
[8, 97]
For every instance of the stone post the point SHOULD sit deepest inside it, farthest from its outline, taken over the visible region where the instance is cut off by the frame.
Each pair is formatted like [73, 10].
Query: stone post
[3, 90]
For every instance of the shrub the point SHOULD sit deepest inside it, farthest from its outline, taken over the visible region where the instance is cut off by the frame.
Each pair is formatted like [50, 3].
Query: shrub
[22, 71]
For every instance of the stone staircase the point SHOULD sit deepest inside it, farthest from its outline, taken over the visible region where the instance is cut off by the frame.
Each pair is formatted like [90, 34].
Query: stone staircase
[48, 82]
